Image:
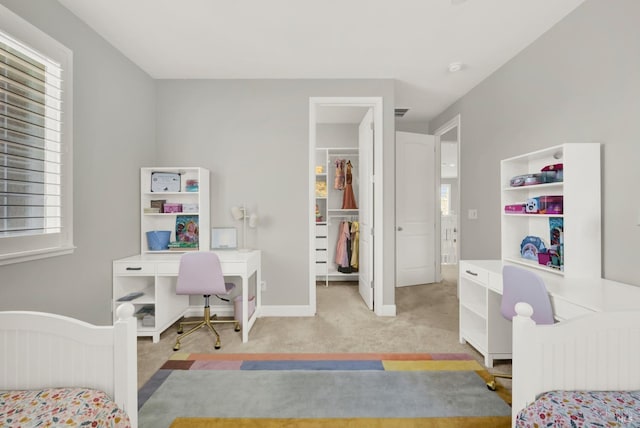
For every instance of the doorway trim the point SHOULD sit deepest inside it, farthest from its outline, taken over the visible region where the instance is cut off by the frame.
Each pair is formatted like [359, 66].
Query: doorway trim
[443, 129]
[376, 104]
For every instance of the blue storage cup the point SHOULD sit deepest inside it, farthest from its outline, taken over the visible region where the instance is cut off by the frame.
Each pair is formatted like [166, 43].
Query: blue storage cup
[158, 240]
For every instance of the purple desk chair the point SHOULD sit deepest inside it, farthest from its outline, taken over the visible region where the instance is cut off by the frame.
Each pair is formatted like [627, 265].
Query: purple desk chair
[523, 285]
[200, 274]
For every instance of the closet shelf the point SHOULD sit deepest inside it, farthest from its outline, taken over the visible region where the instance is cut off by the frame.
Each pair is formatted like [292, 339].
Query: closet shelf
[341, 211]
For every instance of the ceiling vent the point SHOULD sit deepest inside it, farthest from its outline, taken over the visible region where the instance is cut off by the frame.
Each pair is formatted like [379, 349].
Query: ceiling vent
[400, 112]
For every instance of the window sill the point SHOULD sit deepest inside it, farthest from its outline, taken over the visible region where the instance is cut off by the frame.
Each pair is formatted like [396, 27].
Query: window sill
[35, 255]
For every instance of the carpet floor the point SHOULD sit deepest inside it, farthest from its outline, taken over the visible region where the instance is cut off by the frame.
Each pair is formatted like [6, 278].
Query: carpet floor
[309, 390]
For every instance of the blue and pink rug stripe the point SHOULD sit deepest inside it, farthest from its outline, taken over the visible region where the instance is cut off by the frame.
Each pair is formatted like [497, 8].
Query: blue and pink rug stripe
[345, 361]
[310, 362]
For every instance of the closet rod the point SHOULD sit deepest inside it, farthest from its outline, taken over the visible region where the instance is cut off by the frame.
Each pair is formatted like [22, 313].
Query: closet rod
[341, 155]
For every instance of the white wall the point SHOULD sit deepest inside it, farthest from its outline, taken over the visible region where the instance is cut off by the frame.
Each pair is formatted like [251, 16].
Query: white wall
[336, 135]
[579, 82]
[114, 133]
[254, 137]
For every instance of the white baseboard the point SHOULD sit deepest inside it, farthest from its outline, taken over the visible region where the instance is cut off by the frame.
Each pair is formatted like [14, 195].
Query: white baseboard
[386, 311]
[278, 311]
[286, 311]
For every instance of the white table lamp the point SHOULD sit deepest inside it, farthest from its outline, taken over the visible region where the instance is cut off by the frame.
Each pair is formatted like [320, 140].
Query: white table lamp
[240, 213]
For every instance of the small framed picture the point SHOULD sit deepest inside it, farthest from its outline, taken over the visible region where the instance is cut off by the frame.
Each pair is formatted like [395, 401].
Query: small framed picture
[224, 238]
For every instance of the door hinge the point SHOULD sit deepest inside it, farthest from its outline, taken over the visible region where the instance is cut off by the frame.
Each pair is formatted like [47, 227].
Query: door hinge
[372, 127]
[371, 284]
[372, 229]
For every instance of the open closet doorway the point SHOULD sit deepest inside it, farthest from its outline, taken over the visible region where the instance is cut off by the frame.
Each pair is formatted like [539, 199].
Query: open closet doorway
[345, 136]
[448, 150]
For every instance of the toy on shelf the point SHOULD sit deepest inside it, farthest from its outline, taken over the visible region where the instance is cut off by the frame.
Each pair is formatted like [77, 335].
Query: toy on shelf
[531, 246]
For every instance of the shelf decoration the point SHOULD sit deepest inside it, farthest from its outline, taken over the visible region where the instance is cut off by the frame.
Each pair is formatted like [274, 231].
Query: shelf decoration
[531, 246]
[165, 181]
[556, 239]
[158, 204]
[192, 185]
[187, 229]
[321, 189]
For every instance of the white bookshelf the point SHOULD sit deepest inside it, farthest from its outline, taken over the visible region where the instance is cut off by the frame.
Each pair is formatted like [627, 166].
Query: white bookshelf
[581, 214]
[183, 195]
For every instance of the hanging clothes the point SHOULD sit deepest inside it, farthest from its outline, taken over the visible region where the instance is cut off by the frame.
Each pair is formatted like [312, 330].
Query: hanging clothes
[355, 237]
[346, 266]
[339, 180]
[349, 198]
[342, 245]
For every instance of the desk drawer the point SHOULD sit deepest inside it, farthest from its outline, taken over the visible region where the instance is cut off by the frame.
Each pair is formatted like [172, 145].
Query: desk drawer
[563, 310]
[133, 268]
[474, 273]
[168, 269]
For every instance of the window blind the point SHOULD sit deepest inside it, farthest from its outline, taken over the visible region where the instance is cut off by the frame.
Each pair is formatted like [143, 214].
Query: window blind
[30, 141]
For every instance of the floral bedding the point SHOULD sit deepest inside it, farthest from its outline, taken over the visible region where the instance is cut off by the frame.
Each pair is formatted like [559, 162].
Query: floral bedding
[575, 409]
[58, 407]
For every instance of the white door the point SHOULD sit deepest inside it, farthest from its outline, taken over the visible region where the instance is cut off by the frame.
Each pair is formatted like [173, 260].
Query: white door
[365, 205]
[415, 209]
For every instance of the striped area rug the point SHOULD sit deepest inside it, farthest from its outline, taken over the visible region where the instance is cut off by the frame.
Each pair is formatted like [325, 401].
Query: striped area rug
[273, 368]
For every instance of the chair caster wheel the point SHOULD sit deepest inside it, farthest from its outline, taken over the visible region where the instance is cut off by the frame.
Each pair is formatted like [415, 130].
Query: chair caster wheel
[217, 346]
[176, 347]
[180, 331]
[237, 327]
[491, 385]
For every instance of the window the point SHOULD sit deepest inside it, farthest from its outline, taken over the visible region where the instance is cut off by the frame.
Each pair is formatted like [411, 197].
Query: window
[445, 199]
[35, 143]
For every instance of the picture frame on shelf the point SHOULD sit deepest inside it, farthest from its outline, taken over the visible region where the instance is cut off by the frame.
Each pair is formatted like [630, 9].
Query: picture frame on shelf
[165, 181]
[224, 238]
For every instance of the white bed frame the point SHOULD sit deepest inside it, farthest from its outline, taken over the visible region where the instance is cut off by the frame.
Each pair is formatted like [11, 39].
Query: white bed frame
[597, 352]
[40, 350]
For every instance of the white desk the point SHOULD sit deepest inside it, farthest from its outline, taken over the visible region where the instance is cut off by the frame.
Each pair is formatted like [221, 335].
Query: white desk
[154, 275]
[480, 293]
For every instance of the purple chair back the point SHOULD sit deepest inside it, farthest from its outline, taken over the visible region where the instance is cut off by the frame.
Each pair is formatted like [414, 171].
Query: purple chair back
[200, 273]
[523, 285]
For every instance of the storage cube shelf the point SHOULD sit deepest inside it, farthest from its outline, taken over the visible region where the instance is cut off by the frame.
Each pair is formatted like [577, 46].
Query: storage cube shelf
[580, 191]
[189, 195]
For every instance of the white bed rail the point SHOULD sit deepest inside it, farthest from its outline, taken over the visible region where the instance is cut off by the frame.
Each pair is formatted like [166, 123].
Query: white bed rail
[41, 350]
[598, 351]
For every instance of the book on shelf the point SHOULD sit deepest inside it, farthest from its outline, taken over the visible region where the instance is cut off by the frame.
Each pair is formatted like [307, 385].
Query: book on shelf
[187, 230]
[146, 310]
[183, 246]
[181, 249]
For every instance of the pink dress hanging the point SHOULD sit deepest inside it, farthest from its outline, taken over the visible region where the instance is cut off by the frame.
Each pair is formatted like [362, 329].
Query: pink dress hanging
[349, 198]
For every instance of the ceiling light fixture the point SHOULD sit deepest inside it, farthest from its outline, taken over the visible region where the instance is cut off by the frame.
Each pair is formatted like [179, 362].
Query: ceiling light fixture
[455, 67]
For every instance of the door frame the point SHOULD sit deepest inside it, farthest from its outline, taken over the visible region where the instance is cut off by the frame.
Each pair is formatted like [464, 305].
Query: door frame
[443, 129]
[376, 104]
